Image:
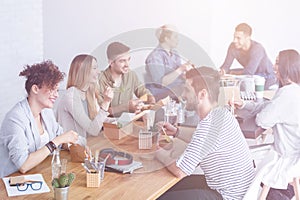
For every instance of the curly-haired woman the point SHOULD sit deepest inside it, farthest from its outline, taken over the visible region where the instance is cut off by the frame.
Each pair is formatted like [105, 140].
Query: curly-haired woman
[29, 131]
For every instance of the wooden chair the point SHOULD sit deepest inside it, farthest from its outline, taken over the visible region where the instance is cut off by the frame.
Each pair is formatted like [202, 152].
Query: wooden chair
[260, 170]
[297, 187]
[261, 164]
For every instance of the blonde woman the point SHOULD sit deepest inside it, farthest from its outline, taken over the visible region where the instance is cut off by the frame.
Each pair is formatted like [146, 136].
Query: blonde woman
[78, 108]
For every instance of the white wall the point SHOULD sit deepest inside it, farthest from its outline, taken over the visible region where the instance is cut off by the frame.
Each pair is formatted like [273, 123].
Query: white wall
[275, 25]
[62, 29]
[88, 26]
[85, 26]
[21, 43]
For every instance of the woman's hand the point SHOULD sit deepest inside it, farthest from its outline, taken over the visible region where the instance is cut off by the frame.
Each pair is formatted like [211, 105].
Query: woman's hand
[108, 94]
[67, 137]
[236, 104]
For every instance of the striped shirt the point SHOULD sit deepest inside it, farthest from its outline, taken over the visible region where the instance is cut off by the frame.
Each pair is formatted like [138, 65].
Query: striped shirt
[220, 149]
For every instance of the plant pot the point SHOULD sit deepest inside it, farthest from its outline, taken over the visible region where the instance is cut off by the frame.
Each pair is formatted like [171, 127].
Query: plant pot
[61, 193]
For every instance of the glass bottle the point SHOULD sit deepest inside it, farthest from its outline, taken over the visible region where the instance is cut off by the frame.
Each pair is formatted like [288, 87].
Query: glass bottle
[180, 112]
[56, 164]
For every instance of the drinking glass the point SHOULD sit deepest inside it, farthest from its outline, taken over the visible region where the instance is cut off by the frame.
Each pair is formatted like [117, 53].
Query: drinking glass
[171, 112]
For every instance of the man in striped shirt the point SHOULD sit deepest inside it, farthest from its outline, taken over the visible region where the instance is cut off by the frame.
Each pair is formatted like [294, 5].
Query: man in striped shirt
[217, 145]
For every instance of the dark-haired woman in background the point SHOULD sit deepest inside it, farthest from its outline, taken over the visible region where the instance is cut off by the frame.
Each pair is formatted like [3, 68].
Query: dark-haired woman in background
[29, 131]
[282, 114]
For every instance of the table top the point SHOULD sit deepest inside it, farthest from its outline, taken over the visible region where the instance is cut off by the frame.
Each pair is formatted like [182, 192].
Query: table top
[148, 182]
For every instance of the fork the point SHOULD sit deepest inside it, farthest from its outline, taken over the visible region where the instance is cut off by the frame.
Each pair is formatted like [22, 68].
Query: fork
[166, 136]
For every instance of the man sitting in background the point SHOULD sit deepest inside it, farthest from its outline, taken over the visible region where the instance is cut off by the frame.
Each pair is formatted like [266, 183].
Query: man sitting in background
[165, 70]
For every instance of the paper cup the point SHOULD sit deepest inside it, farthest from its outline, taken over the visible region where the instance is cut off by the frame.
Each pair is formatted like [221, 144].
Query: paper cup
[259, 87]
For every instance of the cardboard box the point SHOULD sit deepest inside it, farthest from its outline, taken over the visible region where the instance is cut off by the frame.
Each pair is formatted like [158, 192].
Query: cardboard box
[112, 131]
[123, 126]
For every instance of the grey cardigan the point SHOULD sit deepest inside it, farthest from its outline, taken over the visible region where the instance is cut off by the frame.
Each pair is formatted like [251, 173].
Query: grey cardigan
[19, 136]
[72, 115]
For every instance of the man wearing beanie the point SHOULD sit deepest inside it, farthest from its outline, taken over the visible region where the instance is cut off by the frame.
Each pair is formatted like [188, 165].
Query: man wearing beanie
[124, 81]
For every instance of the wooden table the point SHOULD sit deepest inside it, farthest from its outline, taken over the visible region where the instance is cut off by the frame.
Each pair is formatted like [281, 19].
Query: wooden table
[148, 182]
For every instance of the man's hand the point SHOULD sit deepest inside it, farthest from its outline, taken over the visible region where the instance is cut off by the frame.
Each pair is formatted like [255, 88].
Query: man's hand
[151, 99]
[169, 128]
[135, 105]
[222, 72]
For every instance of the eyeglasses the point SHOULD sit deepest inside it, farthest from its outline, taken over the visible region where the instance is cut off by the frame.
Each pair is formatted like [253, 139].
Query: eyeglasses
[35, 185]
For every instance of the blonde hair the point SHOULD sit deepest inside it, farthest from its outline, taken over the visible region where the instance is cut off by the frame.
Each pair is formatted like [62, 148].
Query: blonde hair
[78, 77]
[165, 31]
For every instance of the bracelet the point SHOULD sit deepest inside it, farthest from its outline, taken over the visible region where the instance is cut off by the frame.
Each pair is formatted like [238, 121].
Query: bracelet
[103, 109]
[51, 146]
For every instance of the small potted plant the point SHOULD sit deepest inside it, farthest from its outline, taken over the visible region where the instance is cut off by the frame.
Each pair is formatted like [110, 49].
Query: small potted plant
[61, 185]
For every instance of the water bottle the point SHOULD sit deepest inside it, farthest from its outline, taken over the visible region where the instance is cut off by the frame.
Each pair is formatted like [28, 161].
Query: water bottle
[180, 113]
[56, 164]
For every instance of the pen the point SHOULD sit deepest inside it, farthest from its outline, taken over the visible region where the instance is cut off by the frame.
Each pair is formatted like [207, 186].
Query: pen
[105, 159]
[90, 155]
[96, 156]
[85, 167]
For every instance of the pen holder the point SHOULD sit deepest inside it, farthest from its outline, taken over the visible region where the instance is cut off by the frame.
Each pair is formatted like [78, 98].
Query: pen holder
[145, 139]
[93, 179]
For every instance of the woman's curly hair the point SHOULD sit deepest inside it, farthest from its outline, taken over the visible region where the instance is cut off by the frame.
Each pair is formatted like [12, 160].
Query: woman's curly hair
[42, 74]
